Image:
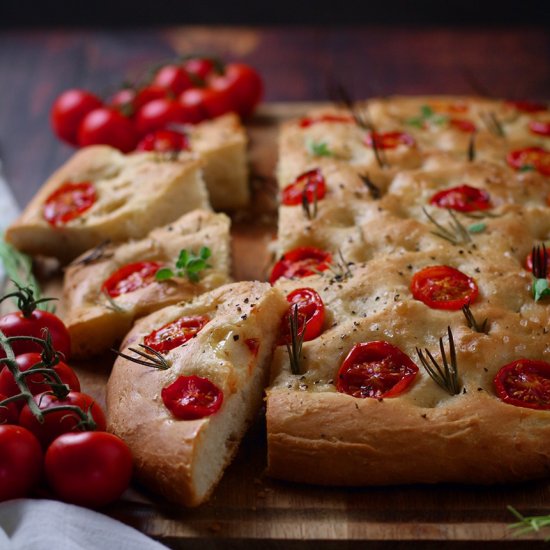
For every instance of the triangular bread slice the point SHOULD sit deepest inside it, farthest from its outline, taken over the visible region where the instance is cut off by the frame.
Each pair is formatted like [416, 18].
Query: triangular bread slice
[96, 321]
[184, 459]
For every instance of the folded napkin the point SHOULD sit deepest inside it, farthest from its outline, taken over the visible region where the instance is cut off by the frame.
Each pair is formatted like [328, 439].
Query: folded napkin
[27, 524]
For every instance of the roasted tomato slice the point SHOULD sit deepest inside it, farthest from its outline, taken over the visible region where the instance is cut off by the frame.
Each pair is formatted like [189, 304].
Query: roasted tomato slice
[192, 397]
[176, 333]
[309, 121]
[131, 277]
[463, 124]
[164, 141]
[525, 383]
[312, 183]
[533, 158]
[443, 287]
[463, 198]
[301, 262]
[68, 202]
[527, 106]
[529, 260]
[375, 369]
[540, 127]
[311, 315]
[389, 140]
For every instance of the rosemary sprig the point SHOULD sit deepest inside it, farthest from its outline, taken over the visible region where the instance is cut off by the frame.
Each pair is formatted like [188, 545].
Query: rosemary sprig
[492, 123]
[188, 265]
[340, 269]
[310, 209]
[374, 190]
[471, 153]
[111, 303]
[318, 148]
[472, 322]
[455, 232]
[528, 524]
[149, 358]
[539, 258]
[445, 376]
[294, 348]
[97, 253]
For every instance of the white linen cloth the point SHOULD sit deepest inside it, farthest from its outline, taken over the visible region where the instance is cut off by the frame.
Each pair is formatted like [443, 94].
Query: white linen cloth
[27, 524]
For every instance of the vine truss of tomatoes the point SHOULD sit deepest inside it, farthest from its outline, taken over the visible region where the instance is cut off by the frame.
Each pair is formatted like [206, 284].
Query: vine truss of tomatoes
[46, 423]
[188, 91]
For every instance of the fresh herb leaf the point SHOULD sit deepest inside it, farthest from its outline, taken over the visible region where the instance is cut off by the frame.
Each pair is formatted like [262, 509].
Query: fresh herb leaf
[318, 148]
[163, 274]
[427, 116]
[541, 289]
[528, 524]
[187, 265]
[426, 111]
[527, 168]
[477, 227]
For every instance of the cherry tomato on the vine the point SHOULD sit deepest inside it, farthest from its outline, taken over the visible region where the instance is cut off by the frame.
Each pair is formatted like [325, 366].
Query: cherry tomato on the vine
[131, 277]
[311, 315]
[192, 101]
[192, 397]
[9, 413]
[301, 262]
[69, 201]
[199, 66]
[173, 78]
[176, 333]
[108, 127]
[159, 114]
[88, 468]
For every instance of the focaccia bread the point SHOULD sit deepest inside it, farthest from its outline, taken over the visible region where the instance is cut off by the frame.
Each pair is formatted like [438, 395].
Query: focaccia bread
[97, 311]
[101, 194]
[184, 457]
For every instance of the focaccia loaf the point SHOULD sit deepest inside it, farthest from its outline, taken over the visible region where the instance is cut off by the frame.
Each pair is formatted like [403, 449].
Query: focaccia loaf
[96, 321]
[184, 459]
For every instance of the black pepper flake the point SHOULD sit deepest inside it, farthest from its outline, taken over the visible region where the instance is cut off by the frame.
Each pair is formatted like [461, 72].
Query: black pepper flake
[479, 389]
[424, 416]
[377, 298]
[379, 399]
[239, 309]
[464, 391]
[477, 270]
[170, 228]
[246, 300]
[244, 317]
[235, 337]
[409, 267]
[353, 312]
[485, 369]
[461, 251]
[356, 406]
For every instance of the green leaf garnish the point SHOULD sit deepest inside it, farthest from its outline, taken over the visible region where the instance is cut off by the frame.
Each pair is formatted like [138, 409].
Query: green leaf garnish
[163, 274]
[427, 116]
[527, 168]
[541, 289]
[528, 524]
[477, 227]
[318, 148]
[187, 265]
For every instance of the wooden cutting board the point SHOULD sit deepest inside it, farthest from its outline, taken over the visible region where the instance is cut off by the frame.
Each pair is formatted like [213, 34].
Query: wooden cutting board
[249, 509]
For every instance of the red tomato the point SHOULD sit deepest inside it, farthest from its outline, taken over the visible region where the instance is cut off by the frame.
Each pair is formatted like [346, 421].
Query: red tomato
[16, 324]
[463, 198]
[540, 127]
[68, 111]
[173, 78]
[309, 121]
[89, 468]
[389, 140]
[68, 202]
[375, 369]
[192, 397]
[36, 382]
[311, 183]
[192, 101]
[463, 124]
[311, 315]
[148, 94]
[9, 413]
[443, 287]
[199, 66]
[131, 277]
[104, 126]
[158, 114]
[176, 333]
[164, 141]
[529, 262]
[301, 262]
[243, 85]
[20, 462]
[123, 101]
[62, 421]
[212, 101]
[535, 158]
[524, 383]
[527, 106]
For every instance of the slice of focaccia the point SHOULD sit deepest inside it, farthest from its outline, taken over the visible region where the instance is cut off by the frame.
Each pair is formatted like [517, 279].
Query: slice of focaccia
[184, 423]
[107, 288]
[102, 194]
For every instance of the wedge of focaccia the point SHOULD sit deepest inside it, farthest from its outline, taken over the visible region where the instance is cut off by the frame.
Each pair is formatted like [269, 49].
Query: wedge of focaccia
[184, 421]
[102, 194]
[106, 289]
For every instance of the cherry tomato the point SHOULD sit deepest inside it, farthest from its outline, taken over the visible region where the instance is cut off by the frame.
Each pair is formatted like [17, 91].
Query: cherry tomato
[9, 413]
[243, 85]
[463, 124]
[301, 262]
[131, 277]
[309, 121]
[20, 462]
[199, 66]
[68, 202]
[164, 141]
[524, 383]
[539, 127]
[192, 101]
[311, 315]
[123, 101]
[176, 333]
[148, 94]
[443, 287]
[89, 468]
[192, 397]
[16, 324]
[36, 382]
[527, 106]
[375, 369]
[312, 183]
[172, 78]
[62, 421]
[158, 114]
[463, 198]
[212, 101]
[105, 126]
[389, 140]
[535, 158]
[68, 111]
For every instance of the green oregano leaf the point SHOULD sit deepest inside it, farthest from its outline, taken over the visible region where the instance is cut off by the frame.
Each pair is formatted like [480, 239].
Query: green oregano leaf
[477, 227]
[318, 148]
[541, 289]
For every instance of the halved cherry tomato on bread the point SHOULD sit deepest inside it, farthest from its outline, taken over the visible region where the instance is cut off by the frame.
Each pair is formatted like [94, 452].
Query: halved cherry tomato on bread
[312, 183]
[301, 262]
[527, 106]
[443, 287]
[131, 277]
[540, 127]
[173, 78]
[107, 126]
[192, 397]
[375, 369]
[309, 121]
[9, 414]
[176, 333]
[462, 198]
[311, 315]
[164, 141]
[529, 261]
[463, 124]
[533, 158]
[389, 140]
[69, 201]
[524, 383]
